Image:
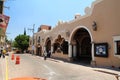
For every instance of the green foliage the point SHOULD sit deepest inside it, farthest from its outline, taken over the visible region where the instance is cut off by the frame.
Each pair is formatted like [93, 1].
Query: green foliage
[21, 42]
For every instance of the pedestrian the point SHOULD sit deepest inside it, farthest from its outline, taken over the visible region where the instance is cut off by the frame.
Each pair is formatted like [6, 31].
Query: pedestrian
[33, 49]
[45, 55]
[3, 53]
[49, 53]
[0, 52]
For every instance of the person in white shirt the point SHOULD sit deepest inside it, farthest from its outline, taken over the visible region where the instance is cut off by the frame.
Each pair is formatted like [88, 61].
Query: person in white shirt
[45, 54]
[33, 49]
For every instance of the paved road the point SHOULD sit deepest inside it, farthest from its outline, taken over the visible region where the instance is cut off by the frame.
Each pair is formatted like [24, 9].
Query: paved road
[35, 66]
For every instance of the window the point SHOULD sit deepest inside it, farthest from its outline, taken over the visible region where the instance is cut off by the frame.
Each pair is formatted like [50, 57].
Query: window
[116, 40]
[118, 47]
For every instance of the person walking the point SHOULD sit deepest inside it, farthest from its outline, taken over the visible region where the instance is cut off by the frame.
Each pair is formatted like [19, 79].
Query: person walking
[0, 52]
[3, 53]
[49, 53]
[33, 50]
[45, 55]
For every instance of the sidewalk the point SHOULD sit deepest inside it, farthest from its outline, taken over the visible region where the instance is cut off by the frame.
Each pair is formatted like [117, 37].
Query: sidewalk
[110, 71]
[2, 68]
[107, 70]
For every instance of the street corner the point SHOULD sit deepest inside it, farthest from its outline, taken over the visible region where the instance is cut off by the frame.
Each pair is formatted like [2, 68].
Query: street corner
[28, 78]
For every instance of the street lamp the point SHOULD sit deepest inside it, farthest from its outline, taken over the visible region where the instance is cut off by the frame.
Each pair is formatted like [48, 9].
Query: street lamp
[94, 26]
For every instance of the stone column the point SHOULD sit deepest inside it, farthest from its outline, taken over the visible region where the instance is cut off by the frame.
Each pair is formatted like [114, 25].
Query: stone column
[93, 62]
[51, 49]
[70, 52]
[74, 50]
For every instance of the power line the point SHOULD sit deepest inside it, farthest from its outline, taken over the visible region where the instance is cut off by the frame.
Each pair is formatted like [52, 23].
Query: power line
[32, 29]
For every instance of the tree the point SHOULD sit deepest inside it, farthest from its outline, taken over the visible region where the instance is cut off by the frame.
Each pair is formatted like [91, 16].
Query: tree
[24, 31]
[21, 42]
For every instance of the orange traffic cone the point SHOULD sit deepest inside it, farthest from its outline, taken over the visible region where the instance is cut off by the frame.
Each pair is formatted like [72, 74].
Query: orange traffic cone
[17, 60]
[12, 57]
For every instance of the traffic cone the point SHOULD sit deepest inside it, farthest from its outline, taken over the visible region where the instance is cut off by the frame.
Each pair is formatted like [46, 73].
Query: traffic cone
[17, 60]
[12, 57]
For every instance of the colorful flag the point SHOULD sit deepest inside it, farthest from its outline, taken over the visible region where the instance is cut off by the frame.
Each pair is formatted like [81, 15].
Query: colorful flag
[3, 23]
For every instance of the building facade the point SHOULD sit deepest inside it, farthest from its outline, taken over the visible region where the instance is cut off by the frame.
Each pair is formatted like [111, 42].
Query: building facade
[4, 20]
[92, 38]
[2, 38]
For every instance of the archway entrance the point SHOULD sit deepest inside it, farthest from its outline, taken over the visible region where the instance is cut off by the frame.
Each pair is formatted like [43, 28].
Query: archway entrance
[39, 50]
[58, 44]
[83, 45]
[48, 45]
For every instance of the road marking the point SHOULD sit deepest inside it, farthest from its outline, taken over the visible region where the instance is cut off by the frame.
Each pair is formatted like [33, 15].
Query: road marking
[47, 67]
[6, 62]
[51, 72]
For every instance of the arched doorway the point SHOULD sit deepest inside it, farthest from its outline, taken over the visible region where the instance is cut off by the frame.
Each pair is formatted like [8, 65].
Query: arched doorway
[57, 44]
[64, 46]
[48, 45]
[83, 45]
[39, 50]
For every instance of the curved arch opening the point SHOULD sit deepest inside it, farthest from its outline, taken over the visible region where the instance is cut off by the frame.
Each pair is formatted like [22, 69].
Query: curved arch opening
[82, 40]
[48, 46]
[60, 45]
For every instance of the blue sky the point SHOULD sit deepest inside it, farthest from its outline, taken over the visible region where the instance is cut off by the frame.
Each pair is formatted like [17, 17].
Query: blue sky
[25, 13]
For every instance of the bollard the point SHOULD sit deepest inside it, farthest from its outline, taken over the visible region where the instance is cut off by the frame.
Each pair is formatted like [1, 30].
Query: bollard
[12, 57]
[17, 60]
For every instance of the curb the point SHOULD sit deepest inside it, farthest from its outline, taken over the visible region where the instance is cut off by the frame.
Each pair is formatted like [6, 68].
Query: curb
[112, 73]
[117, 75]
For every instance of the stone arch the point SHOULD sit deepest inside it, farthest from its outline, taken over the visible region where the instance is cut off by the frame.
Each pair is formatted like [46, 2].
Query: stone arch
[74, 30]
[48, 45]
[39, 49]
[60, 45]
[81, 43]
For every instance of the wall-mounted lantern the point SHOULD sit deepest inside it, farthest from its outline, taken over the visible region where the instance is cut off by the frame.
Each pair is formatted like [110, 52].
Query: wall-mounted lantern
[94, 26]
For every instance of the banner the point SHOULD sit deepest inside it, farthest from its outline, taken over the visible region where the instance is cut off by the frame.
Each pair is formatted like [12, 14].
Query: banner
[3, 23]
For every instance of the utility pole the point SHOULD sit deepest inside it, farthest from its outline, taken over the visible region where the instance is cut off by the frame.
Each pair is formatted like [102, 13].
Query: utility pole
[32, 29]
